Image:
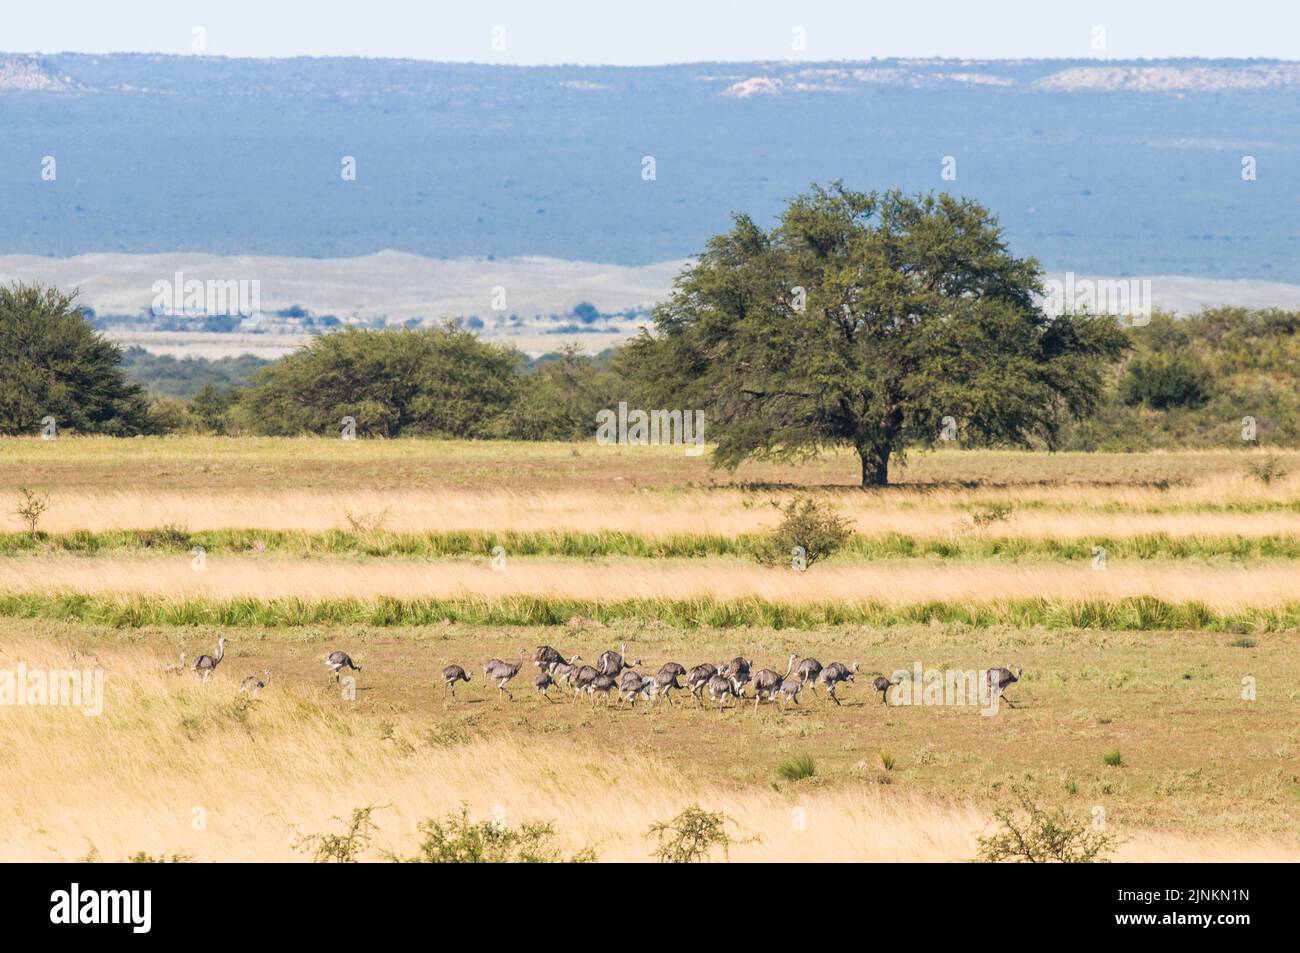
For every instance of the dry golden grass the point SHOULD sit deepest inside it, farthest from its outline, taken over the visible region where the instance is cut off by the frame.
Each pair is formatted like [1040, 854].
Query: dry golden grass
[208, 464]
[1263, 584]
[1063, 513]
[169, 753]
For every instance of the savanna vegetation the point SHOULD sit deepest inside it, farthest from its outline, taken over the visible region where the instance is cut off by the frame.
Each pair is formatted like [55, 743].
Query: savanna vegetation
[873, 322]
[1147, 599]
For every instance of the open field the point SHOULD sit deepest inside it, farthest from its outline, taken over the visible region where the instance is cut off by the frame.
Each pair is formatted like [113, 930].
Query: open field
[1270, 584]
[1182, 655]
[1205, 775]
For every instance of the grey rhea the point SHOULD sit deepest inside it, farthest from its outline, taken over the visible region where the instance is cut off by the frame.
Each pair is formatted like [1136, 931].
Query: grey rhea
[808, 670]
[632, 685]
[1000, 679]
[543, 682]
[601, 683]
[790, 688]
[721, 688]
[252, 684]
[834, 674]
[665, 681]
[544, 657]
[883, 685]
[611, 663]
[768, 682]
[205, 665]
[450, 676]
[337, 661]
[562, 672]
[501, 672]
[581, 679]
[697, 679]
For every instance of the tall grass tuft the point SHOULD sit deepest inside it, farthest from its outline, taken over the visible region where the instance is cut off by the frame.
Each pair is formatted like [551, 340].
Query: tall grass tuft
[797, 768]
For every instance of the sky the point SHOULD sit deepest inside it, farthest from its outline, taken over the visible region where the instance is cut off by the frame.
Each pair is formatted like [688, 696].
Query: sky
[651, 32]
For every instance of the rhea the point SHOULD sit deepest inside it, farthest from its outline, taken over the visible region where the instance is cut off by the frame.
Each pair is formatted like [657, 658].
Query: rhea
[207, 664]
[580, 679]
[790, 688]
[337, 661]
[883, 685]
[545, 657]
[562, 672]
[808, 670]
[611, 663]
[768, 682]
[543, 682]
[665, 680]
[632, 685]
[721, 688]
[450, 676]
[603, 684]
[697, 679]
[501, 672]
[1000, 679]
[252, 684]
[738, 671]
[175, 669]
[834, 674]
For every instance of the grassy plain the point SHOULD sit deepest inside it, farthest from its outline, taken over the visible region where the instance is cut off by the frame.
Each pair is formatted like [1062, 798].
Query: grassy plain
[974, 559]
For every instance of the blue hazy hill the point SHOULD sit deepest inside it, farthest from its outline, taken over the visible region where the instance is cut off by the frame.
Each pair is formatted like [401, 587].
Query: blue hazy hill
[1108, 174]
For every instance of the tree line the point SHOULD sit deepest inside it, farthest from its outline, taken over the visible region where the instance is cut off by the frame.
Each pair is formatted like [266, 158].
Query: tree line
[880, 322]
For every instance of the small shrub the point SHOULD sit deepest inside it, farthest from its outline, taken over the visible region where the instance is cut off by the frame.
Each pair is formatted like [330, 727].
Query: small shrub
[1032, 835]
[1112, 759]
[798, 768]
[165, 537]
[457, 840]
[812, 526]
[692, 836]
[988, 514]
[177, 857]
[1267, 469]
[31, 508]
[345, 848]
[366, 524]
[887, 760]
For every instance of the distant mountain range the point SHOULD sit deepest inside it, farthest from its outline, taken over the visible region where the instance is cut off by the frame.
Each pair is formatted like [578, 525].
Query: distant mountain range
[1101, 167]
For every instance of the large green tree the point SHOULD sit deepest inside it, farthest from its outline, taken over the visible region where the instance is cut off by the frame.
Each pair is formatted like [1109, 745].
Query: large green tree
[441, 382]
[865, 320]
[54, 364]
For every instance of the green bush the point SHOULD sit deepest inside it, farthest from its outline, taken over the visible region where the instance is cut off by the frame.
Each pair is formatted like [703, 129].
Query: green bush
[435, 382]
[692, 836]
[810, 525]
[1029, 834]
[457, 840]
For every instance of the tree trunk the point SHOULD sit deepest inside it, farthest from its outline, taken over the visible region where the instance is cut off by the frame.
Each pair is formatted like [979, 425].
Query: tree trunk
[875, 465]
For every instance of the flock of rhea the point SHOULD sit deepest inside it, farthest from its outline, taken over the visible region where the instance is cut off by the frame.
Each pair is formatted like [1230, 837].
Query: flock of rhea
[614, 675]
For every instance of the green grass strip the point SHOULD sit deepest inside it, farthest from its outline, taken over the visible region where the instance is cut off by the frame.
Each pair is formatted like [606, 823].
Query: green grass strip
[590, 545]
[1143, 613]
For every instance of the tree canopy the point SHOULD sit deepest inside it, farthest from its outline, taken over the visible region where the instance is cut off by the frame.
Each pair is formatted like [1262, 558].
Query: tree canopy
[440, 382]
[865, 320]
[53, 363]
